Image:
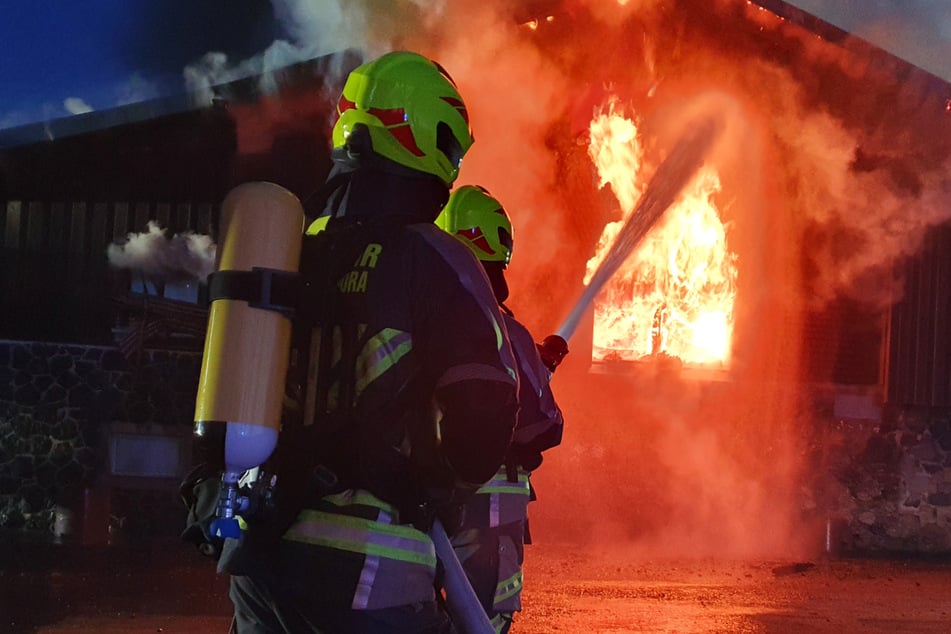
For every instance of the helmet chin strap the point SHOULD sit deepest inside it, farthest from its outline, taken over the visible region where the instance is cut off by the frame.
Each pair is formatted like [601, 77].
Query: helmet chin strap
[347, 159]
[365, 184]
[496, 274]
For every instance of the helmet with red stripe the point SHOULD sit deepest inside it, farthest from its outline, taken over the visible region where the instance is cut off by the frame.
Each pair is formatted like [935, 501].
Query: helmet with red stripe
[480, 222]
[412, 110]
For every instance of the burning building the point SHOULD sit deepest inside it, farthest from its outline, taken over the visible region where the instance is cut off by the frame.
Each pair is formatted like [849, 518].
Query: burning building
[750, 343]
[768, 366]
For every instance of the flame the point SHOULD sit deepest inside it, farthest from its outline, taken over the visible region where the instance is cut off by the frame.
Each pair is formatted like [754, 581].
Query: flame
[675, 294]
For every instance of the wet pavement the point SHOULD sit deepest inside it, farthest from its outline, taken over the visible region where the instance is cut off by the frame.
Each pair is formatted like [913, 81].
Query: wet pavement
[164, 586]
[157, 586]
[593, 590]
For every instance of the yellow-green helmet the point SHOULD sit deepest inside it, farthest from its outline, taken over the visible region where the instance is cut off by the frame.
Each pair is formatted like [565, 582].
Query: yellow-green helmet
[317, 226]
[413, 111]
[480, 222]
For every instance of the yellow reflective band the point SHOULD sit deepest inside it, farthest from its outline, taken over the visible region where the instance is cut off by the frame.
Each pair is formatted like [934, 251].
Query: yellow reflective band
[500, 484]
[360, 497]
[508, 588]
[392, 541]
[474, 371]
[381, 352]
[499, 342]
[499, 621]
[510, 488]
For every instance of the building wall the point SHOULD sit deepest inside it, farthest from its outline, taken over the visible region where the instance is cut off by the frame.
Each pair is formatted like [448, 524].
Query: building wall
[56, 283]
[919, 341]
[59, 403]
[893, 481]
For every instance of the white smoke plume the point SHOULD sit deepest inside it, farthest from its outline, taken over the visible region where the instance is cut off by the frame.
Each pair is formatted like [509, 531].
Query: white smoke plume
[75, 105]
[315, 28]
[136, 89]
[183, 257]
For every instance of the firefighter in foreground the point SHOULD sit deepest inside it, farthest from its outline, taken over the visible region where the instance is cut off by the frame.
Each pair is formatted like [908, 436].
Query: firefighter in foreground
[494, 525]
[406, 379]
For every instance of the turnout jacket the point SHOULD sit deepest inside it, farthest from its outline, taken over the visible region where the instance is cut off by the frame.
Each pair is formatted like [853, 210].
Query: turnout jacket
[489, 539]
[504, 499]
[411, 388]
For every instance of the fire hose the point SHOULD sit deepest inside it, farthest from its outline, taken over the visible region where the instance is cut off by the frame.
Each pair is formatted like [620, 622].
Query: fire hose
[672, 175]
[465, 609]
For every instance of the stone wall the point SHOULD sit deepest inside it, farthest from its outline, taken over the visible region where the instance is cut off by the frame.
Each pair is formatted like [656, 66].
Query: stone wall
[894, 483]
[884, 485]
[57, 404]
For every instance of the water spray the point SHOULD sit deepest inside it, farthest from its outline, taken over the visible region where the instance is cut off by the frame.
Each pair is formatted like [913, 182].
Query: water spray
[671, 177]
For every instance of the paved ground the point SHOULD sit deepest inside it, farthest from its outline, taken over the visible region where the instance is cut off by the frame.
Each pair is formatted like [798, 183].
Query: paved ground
[572, 591]
[165, 587]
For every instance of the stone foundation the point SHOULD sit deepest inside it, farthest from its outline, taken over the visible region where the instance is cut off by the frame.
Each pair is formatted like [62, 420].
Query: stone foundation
[57, 403]
[891, 483]
[883, 485]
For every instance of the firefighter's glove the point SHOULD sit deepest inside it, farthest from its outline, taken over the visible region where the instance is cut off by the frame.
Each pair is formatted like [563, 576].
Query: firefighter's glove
[527, 458]
[449, 506]
[552, 350]
[199, 492]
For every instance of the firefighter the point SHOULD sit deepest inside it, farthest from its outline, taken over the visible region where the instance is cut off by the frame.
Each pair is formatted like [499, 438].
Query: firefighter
[494, 525]
[406, 379]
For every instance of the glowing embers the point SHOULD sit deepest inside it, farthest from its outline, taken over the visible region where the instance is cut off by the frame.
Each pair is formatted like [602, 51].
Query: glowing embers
[674, 296]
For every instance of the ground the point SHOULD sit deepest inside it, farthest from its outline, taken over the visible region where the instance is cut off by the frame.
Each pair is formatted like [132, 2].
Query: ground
[166, 587]
[568, 590]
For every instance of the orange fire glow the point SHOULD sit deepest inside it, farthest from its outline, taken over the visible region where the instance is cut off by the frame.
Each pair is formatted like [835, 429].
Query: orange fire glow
[673, 296]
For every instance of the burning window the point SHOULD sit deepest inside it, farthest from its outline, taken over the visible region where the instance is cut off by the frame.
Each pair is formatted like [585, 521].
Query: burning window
[674, 295]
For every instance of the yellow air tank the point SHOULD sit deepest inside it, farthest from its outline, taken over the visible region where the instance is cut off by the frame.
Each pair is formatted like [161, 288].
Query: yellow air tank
[247, 345]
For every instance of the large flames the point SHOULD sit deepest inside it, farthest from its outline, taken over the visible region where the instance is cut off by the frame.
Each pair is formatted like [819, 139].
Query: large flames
[674, 296]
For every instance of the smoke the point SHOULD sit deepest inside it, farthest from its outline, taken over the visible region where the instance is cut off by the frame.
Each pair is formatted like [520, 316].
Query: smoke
[864, 177]
[313, 28]
[183, 257]
[75, 105]
[832, 173]
[136, 89]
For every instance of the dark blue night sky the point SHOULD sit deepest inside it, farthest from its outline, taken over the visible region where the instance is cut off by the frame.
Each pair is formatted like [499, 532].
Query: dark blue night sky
[104, 53]
[61, 57]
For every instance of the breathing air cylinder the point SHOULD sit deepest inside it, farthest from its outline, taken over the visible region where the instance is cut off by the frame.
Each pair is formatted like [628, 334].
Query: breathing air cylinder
[247, 345]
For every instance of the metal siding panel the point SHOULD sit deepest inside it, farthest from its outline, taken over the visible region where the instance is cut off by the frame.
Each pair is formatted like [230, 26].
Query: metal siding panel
[142, 217]
[120, 221]
[925, 309]
[35, 226]
[907, 342]
[11, 233]
[163, 214]
[889, 373]
[203, 224]
[76, 247]
[941, 378]
[904, 379]
[99, 233]
[57, 228]
[77, 228]
[183, 218]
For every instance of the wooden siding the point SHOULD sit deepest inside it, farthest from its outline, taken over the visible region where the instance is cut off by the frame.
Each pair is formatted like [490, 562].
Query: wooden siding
[56, 283]
[919, 334]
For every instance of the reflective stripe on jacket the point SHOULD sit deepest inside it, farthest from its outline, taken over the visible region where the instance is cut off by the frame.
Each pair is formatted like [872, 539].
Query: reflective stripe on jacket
[540, 420]
[506, 589]
[498, 502]
[399, 562]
